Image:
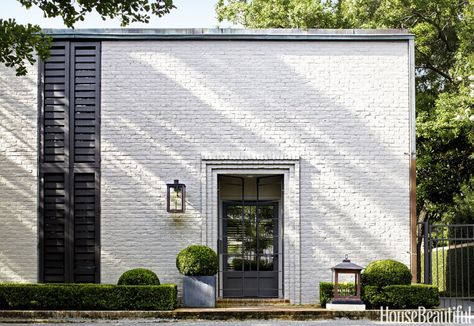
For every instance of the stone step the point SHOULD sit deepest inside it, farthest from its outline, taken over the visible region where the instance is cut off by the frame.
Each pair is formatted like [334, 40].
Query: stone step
[251, 302]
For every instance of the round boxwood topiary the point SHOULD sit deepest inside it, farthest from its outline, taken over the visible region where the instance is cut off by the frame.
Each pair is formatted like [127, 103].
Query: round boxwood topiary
[197, 260]
[139, 276]
[386, 272]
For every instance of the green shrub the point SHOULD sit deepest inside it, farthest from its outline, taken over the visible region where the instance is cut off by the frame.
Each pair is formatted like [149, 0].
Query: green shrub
[373, 296]
[402, 296]
[139, 276]
[88, 297]
[386, 272]
[326, 291]
[412, 296]
[449, 272]
[197, 260]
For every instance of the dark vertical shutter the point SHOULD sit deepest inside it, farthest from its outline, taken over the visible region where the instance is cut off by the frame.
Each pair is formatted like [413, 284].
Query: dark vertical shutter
[84, 227]
[54, 227]
[55, 94]
[70, 164]
[85, 78]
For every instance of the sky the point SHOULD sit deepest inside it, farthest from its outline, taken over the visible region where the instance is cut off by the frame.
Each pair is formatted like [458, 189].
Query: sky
[188, 14]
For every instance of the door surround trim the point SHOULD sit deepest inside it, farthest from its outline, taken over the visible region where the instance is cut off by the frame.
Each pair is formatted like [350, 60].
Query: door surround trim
[290, 169]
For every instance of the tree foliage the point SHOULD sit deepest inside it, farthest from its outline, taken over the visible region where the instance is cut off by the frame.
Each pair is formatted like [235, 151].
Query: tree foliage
[19, 43]
[444, 31]
[276, 13]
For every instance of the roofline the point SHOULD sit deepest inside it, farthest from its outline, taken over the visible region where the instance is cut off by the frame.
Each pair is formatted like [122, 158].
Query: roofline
[228, 34]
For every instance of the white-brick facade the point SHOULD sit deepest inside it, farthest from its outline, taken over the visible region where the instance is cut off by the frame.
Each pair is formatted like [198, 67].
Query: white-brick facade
[18, 175]
[333, 117]
[341, 108]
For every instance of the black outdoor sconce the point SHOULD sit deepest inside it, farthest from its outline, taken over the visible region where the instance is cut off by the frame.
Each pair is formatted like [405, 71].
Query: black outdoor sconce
[176, 197]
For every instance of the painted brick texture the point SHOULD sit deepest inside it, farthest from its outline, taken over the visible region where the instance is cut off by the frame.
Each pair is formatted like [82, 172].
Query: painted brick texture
[18, 176]
[341, 107]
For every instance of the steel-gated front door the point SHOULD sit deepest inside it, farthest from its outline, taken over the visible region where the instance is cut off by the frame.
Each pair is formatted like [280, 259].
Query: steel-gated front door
[250, 248]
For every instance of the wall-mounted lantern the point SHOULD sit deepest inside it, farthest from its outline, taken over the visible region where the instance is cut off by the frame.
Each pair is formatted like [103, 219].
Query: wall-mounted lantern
[347, 299]
[176, 197]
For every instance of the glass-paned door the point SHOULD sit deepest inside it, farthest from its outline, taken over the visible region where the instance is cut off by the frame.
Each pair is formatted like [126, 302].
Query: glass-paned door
[250, 249]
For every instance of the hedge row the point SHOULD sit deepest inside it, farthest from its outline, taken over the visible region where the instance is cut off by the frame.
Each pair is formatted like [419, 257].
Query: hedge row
[326, 291]
[393, 296]
[402, 296]
[88, 297]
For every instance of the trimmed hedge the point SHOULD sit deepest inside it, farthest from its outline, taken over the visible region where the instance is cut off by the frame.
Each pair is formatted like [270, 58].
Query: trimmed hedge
[197, 260]
[88, 297]
[402, 296]
[139, 276]
[450, 272]
[386, 272]
[326, 291]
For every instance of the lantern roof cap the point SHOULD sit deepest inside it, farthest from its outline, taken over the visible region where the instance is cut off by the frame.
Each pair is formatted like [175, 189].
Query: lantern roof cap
[346, 264]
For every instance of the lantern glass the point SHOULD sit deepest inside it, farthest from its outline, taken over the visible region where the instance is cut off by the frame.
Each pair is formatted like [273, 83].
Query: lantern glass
[176, 197]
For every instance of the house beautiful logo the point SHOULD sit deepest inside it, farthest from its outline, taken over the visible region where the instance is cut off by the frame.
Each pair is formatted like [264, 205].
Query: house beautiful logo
[454, 315]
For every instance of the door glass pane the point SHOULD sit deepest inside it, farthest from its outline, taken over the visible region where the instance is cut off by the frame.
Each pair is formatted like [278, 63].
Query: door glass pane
[266, 212]
[234, 212]
[266, 263]
[266, 228]
[234, 263]
[234, 236]
[250, 262]
[250, 228]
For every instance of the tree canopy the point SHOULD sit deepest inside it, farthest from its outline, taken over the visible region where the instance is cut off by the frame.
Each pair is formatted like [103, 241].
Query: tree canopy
[444, 31]
[19, 43]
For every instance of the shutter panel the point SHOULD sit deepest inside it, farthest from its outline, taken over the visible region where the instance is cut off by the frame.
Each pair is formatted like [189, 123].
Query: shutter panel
[54, 227]
[85, 81]
[70, 164]
[84, 227]
[55, 115]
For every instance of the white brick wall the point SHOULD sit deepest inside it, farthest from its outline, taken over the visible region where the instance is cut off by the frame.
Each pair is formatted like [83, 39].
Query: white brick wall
[18, 175]
[342, 107]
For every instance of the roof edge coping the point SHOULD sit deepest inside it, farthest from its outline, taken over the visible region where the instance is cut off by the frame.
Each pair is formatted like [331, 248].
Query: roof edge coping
[230, 34]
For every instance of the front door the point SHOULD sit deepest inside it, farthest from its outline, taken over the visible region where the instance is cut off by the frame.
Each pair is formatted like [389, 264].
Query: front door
[250, 249]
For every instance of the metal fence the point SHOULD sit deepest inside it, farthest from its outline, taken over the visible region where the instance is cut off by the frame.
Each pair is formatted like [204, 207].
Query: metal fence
[447, 261]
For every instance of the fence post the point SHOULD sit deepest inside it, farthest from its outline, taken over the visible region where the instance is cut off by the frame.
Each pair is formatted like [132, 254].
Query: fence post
[427, 252]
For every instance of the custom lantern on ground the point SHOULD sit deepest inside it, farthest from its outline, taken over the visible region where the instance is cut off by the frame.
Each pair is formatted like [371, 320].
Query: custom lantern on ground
[347, 299]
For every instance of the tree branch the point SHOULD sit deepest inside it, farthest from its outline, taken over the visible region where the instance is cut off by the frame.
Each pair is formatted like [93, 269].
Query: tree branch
[441, 34]
[430, 66]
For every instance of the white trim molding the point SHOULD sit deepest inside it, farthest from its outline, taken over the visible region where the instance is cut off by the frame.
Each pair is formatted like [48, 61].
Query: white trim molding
[290, 169]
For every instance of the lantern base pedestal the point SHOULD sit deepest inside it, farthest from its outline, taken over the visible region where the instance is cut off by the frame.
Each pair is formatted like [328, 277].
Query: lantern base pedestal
[345, 306]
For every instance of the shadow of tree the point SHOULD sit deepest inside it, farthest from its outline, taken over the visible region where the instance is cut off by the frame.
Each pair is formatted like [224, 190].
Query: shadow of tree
[344, 134]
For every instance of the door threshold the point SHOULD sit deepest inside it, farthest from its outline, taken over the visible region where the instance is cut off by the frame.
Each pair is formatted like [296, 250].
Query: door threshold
[246, 302]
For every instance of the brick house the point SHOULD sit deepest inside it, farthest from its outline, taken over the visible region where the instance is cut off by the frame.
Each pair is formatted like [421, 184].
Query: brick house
[295, 148]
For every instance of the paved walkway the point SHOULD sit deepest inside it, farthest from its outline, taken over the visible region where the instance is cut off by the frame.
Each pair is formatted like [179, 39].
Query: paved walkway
[340, 322]
[271, 316]
[300, 313]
